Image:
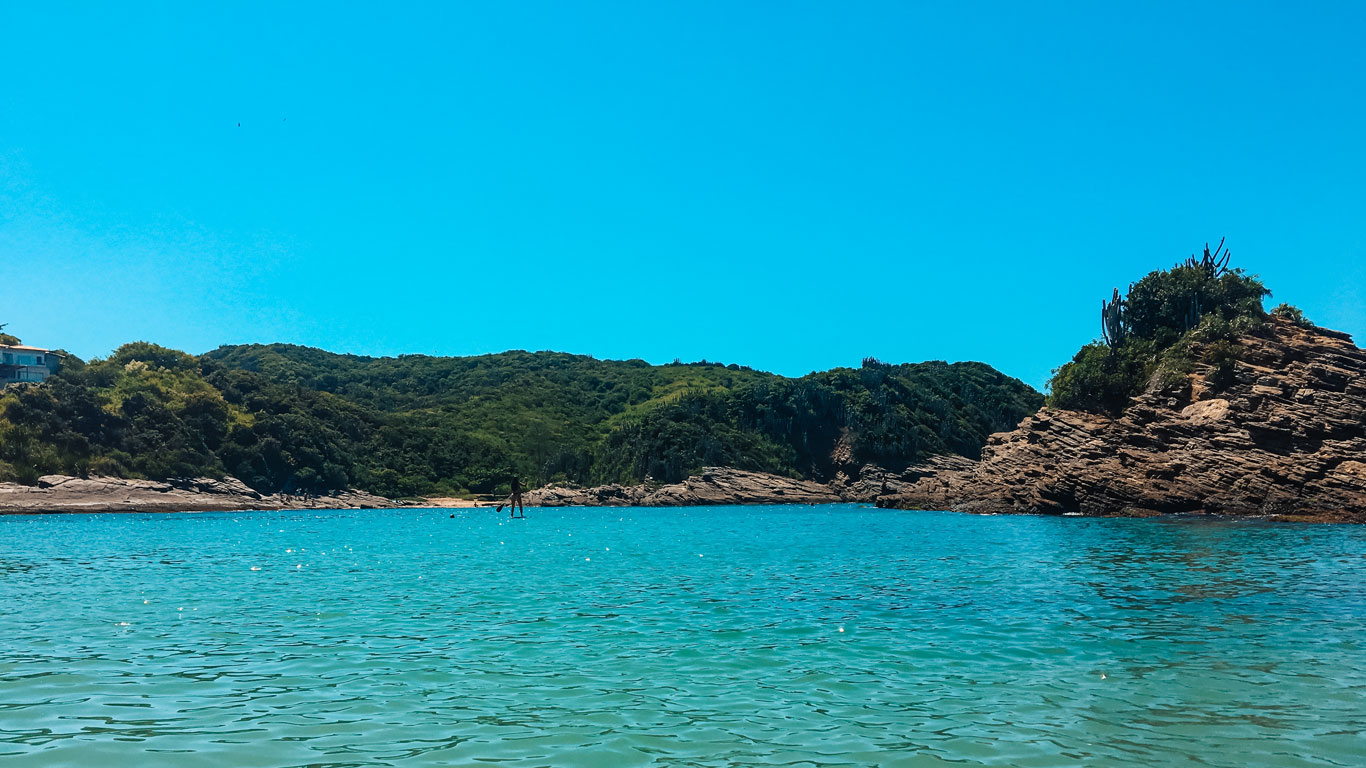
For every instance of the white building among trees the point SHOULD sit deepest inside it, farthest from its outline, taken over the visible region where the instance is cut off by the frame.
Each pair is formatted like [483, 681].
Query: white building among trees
[19, 363]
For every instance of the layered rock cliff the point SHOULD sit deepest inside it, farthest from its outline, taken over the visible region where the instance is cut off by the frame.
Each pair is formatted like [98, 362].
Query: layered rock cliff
[1284, 437]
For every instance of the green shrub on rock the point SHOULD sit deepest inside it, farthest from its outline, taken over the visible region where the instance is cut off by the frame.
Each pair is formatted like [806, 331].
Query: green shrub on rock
[1293, 314]
[1163, 314]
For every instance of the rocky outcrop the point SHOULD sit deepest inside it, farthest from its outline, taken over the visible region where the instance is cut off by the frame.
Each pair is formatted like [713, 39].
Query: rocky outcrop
[1285, 439]
[871, 482]
[59, 493]
[715, 485]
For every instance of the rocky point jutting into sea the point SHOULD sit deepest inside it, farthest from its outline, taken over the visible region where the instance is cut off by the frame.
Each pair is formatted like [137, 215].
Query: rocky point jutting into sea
[1286, 439]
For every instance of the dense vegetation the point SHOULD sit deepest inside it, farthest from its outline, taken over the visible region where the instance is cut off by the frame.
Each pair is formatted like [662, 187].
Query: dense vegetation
[1169, 320]
[286, 418]
[296, 419]
[893, 415]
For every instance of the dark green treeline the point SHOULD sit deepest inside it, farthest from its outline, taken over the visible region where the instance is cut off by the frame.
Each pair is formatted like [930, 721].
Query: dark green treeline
[288, 418]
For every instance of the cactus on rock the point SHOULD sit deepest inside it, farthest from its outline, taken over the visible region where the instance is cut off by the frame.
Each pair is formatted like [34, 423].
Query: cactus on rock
[1114, 325]
[1213, 264]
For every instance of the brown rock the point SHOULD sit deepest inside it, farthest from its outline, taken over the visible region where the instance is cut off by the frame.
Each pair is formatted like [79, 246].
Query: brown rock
[722, 485]
[872, 482]
[1206, 411]
[1286, 440]
[715, 485]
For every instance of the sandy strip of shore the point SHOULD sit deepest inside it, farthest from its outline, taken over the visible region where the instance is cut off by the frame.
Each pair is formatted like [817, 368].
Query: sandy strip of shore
[451, 502]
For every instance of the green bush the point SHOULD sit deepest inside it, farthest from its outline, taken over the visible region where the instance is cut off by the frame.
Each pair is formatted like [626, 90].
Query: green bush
[1100, 379]
[1222, 355]
[1165, 304]
[1164, 313]
[1293, 314]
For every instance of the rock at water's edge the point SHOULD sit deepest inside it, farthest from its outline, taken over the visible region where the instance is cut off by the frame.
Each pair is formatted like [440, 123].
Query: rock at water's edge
[715, 485]
[723, 485]
[60, 493]
[1286, 440]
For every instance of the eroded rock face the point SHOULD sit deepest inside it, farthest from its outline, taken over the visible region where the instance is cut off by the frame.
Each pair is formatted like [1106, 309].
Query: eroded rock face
[1287, 439]
[59, 493]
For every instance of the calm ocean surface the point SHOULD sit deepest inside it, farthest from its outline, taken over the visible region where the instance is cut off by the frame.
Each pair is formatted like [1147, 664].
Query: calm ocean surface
[792, 636]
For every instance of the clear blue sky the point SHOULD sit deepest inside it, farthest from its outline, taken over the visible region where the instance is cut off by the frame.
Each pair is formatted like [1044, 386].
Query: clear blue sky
[790, 186]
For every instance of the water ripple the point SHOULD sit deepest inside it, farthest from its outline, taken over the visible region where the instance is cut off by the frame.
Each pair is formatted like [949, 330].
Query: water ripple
[796, 636]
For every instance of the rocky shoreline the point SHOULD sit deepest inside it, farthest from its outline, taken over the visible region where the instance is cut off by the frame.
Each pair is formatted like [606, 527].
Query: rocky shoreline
[63, 494]
[1285, 440]
[715, 485]
[56, 494]
[1282, 438]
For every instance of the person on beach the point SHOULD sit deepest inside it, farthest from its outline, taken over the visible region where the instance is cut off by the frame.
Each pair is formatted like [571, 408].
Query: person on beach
[514, 503]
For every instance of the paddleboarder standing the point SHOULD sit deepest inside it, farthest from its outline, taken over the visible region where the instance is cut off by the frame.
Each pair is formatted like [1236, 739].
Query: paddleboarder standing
[515, 500]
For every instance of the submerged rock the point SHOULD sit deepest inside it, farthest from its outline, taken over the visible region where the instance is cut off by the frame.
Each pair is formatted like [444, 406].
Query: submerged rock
[1286, 439]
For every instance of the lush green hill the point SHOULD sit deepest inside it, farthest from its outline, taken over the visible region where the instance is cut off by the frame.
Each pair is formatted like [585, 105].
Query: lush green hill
[296, 418]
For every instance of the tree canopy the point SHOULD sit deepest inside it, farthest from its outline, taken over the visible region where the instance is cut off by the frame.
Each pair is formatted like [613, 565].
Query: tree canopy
[297, 419]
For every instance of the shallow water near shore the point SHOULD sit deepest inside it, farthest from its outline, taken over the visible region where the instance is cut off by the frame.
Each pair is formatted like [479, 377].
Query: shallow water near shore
[833, 635]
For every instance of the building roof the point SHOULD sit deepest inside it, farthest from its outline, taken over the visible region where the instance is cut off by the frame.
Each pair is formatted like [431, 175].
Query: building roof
[23, 348]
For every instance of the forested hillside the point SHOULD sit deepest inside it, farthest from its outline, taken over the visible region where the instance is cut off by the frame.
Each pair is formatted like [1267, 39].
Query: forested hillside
[299, 419]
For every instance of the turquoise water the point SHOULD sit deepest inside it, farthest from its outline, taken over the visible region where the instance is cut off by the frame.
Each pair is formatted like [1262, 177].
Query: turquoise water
[792, 636]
